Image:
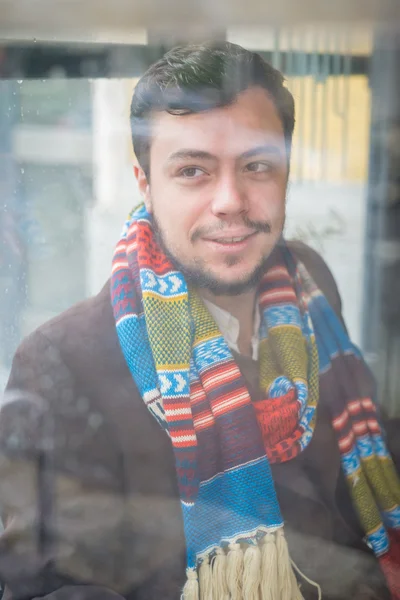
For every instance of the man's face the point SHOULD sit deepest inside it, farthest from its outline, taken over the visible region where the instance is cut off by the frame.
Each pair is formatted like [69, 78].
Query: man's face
[217, 190]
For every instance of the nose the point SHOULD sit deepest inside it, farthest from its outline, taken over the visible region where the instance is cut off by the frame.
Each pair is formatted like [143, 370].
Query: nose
[229, 197]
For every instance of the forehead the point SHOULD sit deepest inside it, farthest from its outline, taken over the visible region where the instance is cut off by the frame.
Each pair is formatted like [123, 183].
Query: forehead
[251, 120]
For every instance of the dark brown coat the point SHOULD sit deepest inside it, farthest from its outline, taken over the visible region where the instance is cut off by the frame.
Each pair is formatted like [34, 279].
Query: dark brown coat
[88, 488]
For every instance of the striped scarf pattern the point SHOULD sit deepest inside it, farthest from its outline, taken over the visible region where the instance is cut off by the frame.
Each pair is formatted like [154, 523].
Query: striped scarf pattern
[223, 442]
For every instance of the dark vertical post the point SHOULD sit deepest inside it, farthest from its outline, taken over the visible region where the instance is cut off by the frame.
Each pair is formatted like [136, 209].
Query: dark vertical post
[381, 311]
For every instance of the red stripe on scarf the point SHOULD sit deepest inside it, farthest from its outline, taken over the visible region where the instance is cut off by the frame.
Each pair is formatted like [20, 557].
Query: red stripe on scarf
[278, 418]
[390, 562]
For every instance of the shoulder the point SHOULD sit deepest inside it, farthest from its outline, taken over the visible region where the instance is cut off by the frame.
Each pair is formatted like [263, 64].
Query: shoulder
[78, 340]
[78, 330]
[319, 271]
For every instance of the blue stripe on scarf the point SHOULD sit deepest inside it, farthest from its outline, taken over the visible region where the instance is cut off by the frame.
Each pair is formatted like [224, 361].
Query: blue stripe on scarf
[167, 286]
[330, 334]
[391, 518]
[174, 384]
[138, 356]
[211, 352]
[379, 541]
[285, 314]
[237, 503]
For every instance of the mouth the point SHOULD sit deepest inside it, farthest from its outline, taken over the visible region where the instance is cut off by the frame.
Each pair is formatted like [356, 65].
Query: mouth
[230, 243]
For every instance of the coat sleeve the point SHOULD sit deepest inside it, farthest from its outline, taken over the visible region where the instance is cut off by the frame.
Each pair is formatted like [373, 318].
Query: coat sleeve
[59, 473]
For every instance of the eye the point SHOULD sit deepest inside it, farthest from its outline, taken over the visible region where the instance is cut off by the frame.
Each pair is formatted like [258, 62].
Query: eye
[258, 167]
[191, 172]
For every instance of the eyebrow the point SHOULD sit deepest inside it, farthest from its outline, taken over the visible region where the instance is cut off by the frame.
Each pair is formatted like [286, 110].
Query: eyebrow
[203, 155]
[263, 149]
[193, 154]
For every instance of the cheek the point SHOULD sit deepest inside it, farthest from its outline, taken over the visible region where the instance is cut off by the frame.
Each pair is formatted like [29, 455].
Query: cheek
[269, 203]
[184, 212]
[177, 219]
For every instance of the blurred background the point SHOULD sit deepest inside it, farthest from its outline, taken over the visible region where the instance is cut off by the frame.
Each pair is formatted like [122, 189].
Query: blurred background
[67, 72]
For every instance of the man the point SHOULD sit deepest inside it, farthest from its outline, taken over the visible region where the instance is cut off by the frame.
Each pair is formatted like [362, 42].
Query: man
[206, 412]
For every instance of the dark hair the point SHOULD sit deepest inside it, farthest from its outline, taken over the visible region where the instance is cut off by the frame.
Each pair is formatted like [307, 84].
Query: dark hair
[195, 78]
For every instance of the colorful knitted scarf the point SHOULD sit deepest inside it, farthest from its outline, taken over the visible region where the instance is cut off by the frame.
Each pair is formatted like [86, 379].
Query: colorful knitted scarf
[223, 441]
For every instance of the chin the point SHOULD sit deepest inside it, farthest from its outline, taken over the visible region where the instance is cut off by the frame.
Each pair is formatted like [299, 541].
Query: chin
[234, 274]
[227, 286]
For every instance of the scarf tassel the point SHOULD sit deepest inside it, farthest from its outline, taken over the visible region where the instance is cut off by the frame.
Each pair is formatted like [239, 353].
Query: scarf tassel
[253, 574]
[288, 586]
[219, 568]
[270, 583]
[191, 588]
[205, 579]
[234, 571]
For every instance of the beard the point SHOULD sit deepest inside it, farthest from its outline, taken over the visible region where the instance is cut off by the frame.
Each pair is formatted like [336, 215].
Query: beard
[200, 276]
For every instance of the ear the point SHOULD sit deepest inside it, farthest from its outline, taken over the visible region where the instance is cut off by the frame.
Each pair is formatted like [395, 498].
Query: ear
[143, 185]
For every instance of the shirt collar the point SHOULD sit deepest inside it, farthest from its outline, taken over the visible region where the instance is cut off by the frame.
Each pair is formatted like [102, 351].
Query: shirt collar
[230, 328]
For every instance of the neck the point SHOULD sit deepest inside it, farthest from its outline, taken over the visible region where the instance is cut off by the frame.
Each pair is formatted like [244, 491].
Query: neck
[241, 307]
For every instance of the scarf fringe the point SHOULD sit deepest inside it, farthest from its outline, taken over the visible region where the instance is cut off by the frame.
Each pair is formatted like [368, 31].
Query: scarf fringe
[219, 583]
[234, 571]
[251, 573]
[289, 589]
[191, 588]
[205, 579]
[269, 568]
[258, 572]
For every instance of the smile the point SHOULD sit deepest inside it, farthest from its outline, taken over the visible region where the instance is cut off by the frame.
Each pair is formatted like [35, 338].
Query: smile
[231, 240]
[232, 243]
